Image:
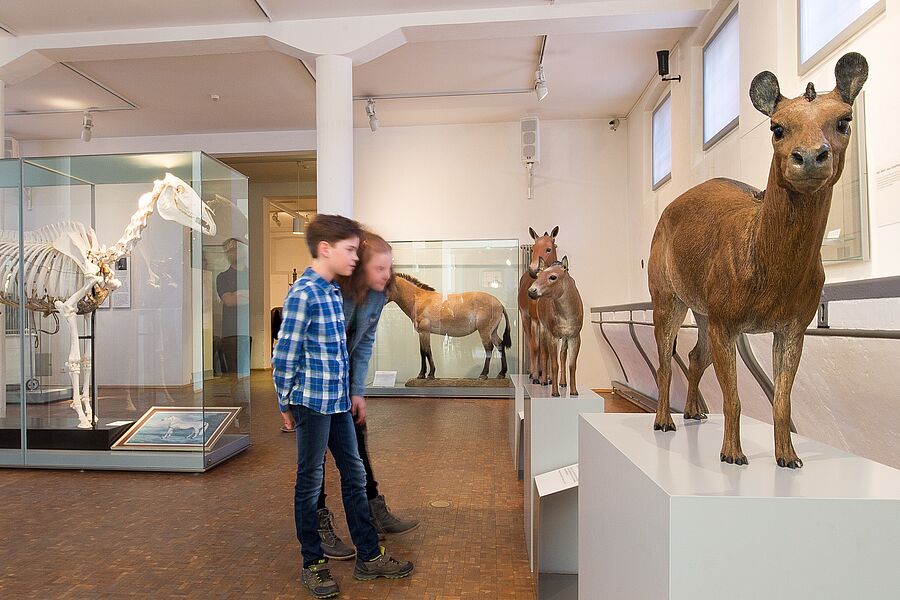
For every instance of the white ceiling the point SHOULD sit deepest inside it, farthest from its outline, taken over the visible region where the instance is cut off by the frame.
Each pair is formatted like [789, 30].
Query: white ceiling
[590, 75]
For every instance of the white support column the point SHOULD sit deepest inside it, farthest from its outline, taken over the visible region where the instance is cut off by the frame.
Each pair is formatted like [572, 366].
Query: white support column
[334, 135]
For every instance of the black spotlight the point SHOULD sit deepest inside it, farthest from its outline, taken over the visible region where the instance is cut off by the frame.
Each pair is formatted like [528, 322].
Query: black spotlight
[662, 61]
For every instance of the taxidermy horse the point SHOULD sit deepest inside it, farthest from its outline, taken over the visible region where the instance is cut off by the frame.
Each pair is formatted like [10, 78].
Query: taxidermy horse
[749, 261]
[544, 248]
[67, 272]
[457, 316]
[561, 314]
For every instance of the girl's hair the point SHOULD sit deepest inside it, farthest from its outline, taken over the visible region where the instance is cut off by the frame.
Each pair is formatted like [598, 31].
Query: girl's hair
[355, 285]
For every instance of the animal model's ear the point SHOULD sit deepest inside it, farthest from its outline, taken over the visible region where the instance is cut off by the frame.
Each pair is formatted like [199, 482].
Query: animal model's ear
[765, 93]
[850, 73]
[554, 232]
[532, 233]
[565, 263]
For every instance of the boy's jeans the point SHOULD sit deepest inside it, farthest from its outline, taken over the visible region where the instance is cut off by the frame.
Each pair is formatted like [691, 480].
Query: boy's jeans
[315, 431]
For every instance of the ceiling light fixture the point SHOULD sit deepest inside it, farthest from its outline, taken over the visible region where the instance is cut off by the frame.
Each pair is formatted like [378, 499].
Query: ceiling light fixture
[370, 111]
[87, 124]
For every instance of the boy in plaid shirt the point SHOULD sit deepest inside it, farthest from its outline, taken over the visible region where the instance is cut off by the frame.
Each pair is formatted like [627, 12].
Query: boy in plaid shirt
[311, 370]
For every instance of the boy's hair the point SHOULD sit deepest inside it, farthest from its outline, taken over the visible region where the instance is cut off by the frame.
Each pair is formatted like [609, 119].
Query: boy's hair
[331, 229]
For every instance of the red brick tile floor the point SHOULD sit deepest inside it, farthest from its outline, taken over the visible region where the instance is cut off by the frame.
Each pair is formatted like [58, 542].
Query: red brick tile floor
[229, 533]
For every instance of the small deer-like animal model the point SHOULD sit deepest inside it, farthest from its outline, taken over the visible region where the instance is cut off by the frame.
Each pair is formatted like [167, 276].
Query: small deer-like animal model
[68, 272]
[746, 261]
[561, 314]
[544, 248]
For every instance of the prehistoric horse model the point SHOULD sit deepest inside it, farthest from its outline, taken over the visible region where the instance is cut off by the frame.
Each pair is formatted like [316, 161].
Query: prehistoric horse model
[457, 316]
[66, 270]
[749, 261]
[544, 248]
[561, 314]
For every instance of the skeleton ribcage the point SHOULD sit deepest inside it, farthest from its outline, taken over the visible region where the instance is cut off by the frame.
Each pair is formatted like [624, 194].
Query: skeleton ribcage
[50, 274]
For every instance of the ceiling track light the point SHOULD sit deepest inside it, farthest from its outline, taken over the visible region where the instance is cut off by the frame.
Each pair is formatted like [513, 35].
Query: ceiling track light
[540, 84]
[370, 111]
[87, 125]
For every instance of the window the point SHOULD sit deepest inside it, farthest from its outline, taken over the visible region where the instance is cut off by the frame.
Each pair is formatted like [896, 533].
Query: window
[826, 24]
[662, 142]
[721, 84]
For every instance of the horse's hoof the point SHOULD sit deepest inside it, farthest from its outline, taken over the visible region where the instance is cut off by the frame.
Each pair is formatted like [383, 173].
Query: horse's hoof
[536, 381]
[695, 417]
[482, 377]
[668, 426]
[430, 377]
[562, 385]
[573, 393]
[555, 394]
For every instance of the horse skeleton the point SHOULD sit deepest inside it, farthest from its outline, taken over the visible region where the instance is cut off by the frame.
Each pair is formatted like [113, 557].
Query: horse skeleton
[68, 272]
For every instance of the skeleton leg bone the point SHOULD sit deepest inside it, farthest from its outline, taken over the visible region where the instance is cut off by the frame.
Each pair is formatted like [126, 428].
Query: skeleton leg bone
[68, 312]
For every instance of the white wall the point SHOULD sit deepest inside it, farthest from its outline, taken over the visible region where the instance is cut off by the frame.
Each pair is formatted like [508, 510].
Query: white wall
[467, 182]
[768, 32]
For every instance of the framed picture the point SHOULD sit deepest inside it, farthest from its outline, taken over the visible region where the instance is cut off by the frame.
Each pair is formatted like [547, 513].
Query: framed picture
[177, 428]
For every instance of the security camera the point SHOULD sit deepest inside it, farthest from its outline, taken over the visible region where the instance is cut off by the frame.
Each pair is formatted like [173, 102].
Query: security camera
[614, 124]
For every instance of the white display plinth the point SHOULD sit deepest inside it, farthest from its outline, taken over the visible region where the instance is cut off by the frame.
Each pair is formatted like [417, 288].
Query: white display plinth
[551, 442]
[516, 419]
[661, 517]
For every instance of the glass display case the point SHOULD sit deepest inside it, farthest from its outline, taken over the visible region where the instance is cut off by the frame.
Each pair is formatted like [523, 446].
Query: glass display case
[449, 267]
[127, 346]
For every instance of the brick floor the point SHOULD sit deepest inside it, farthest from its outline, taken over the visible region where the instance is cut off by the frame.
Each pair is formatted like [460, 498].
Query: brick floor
[229, 533]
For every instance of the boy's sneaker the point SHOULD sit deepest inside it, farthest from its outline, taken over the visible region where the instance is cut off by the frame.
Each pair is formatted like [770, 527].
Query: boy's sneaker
[317, 579]
[386, 522]
[382, 565]
[332, 546]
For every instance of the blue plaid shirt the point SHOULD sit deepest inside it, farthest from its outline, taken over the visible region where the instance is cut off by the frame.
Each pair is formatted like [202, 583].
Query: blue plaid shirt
[310, 365]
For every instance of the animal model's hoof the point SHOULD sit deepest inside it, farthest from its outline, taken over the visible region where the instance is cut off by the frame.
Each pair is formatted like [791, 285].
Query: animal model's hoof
[695, 417]
[665, 426]
[482, 376]
[562, 385]
[431, 376]
[573, 392]
[790, 463]
[554, 394]
[84, 425]
[737, 458]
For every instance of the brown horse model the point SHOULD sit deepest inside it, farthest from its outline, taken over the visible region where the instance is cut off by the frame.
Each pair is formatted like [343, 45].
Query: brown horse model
[457, 316]
[544, 248]
[561, 314]
[746, 261]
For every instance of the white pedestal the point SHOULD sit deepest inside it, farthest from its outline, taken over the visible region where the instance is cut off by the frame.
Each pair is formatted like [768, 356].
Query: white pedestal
[661, 517]
[551, 442]
[517, 420]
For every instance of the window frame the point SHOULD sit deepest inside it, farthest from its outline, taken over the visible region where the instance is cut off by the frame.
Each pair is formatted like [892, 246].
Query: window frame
[668, 176]
[731, 125]
[841, 38]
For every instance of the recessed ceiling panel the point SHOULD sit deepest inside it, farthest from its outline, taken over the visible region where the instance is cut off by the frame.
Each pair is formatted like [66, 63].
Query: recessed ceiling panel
[27, 17]
[59, 88]
[316, 9]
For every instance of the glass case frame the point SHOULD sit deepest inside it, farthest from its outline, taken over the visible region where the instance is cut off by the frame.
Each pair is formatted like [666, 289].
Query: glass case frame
[170, 337]
[449, 266]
